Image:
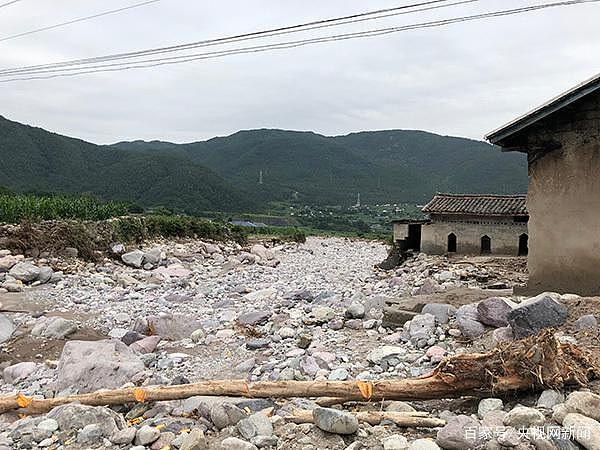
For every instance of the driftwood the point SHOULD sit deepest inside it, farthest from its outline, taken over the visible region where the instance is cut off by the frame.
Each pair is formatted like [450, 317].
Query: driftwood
[402, 419]
[534, 363]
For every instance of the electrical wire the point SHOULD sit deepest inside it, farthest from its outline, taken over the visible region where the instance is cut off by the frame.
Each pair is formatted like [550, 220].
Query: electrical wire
[9, 3]
[81, 19]
[294, 44]
[253, 35]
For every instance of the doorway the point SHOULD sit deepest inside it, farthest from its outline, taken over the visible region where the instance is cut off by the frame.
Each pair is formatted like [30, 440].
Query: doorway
[414, 237]
[486, 245]
[523, 245]
[451, 243]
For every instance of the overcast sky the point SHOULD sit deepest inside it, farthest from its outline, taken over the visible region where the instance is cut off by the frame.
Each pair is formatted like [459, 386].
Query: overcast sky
[464, 79]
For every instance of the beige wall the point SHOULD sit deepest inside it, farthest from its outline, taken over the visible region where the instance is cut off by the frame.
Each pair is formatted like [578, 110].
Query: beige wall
[468, 231]
[564, 198]
[564, 203]
[400, 231]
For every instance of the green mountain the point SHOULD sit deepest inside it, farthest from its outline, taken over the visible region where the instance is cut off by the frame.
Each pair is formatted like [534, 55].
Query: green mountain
[224, 173]
[35, 160]
[384, 166]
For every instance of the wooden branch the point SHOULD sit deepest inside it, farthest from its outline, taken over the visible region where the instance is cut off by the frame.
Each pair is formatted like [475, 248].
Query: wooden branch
[533, 363]
[402, 419]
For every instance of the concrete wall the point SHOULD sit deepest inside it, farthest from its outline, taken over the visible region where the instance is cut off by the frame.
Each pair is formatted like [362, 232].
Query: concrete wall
[504, 234]
[564, 201]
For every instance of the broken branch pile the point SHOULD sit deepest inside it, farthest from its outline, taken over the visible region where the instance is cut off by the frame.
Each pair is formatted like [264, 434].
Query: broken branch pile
[534, 363]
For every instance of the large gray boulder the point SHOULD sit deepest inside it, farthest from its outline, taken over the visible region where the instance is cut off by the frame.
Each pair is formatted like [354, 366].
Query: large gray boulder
[441, 311]
[7, 328]
[467, 318]
[536, 314]
[460, 433]
[74, 416]
[335, 421]
[25, 272]
[584, 430]
[53, 328]
[494, 311]
[88, 366]
[134, 258]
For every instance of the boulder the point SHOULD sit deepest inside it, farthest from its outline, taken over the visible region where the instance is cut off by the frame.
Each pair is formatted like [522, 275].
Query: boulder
[489, 404]
[441, 311]
[25, 272]
[167, 326]
[53, 328]
[87, 366]
[335, 421]
[18, 371]
[460, 433]
[422, 326]
[356, 310]
[550, 398]
[585, 322]
[195, 440]
[233, 443]
[134, 258]
[585, 431]
[254, 317]
[494, 311]
[467, 318]
[523, 417]
[7, 328]
[257, 424]
[262, 252]
[583, 402]
[395, 442]
[380, 353]
[536, 314]
[74, 416]
[7, 262]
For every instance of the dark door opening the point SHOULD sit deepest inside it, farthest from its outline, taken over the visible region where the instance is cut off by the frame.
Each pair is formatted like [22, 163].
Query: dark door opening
[486, 245]
[523, 245]
[414, 237]
[451, 243]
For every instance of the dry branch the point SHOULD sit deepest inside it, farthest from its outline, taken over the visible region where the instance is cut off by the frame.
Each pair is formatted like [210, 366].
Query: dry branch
[402, 419]
[533, 363]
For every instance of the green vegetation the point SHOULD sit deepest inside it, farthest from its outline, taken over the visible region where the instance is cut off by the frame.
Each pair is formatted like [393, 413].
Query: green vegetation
[15, 208]
[222, 174]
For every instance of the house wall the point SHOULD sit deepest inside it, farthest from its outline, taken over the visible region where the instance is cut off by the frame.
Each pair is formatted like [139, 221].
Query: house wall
[564, 201]
[504, 234]
[400, 231]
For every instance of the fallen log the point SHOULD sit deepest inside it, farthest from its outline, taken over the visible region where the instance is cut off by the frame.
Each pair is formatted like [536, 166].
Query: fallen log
[538, 362]
[402, 419]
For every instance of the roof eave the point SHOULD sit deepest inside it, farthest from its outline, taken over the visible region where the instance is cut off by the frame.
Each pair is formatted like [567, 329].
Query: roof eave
[533, 116]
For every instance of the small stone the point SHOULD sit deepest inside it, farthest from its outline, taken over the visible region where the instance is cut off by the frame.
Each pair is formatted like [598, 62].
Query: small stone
[395, 442]
[379, 354]
[441, 311]
[146, 435]
[585, 322]
[422, 326]
[257, 424]
[233, 443]
[91, 434]
[424, 444]
[195, 440]
[585, 430]
[256, 344]
[339, 374]
[523, 417]
[335, 421]
[453, 437]
[489, 404]
[583, 402]
[198, 335]
[509, 438]
[124, 436]
[550, 398]
[254, 318]
[468, 322]
[286, 332]
[133, 259]
[49, 425]
[398, 406]
[25, 272]
[356, 310]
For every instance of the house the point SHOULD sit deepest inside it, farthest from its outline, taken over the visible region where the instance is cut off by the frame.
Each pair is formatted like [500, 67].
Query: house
[467, 224]
[562, 141]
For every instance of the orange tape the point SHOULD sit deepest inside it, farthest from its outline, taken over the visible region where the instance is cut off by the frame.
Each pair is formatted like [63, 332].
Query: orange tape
[366, 389]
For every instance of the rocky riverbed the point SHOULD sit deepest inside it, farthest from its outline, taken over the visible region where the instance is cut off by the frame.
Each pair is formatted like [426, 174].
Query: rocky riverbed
[176, 312]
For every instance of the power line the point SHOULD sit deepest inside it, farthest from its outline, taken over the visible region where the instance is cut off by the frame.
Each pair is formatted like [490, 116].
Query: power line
[293, 44]
[81, 19]
[253, 35]
[9, 3]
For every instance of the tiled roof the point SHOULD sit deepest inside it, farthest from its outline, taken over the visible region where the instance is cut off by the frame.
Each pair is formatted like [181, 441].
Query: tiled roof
[477, 205]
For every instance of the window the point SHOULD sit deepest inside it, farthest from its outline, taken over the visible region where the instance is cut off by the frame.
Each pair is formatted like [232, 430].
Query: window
[486, 245]
[451, 243]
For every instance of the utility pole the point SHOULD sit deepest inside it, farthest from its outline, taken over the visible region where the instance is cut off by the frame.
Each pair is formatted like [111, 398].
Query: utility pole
[260, 177]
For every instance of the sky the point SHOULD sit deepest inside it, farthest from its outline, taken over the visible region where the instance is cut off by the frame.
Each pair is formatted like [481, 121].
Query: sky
[464, 79]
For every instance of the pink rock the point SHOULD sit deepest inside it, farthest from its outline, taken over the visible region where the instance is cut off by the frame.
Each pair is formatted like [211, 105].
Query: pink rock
[146, 345]
[435, 353]
[175, 270]
[393, 338]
